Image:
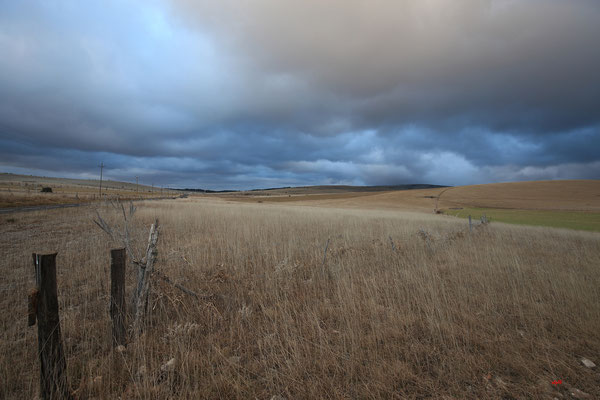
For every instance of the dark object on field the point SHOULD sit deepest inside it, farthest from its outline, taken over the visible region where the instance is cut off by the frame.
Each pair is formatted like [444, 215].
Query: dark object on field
[392, 242]
[46, 190]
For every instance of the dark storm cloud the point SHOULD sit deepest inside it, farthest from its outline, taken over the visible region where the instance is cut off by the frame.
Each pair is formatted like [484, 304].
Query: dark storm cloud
[527, 65]
[273, 93]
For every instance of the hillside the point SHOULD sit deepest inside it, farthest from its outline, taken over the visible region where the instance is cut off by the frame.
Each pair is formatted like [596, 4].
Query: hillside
[25, 190]
[573, 204]
[568, 195]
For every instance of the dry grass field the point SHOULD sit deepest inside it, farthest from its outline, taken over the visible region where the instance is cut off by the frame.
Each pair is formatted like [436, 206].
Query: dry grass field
[571, 204]
[419, 200]
[573, 195]
[25, 191]
[406, 305]
[320, 190]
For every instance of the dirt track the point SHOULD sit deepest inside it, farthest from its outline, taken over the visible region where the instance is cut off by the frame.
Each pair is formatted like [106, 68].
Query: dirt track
[12, 210]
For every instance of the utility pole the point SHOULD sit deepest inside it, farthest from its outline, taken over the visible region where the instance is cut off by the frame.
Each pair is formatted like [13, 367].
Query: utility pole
[101, 168]
[136, 184]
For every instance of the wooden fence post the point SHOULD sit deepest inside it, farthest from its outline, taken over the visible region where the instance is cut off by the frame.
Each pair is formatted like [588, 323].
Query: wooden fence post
[144, 278]
[470, 225]
[118, 259]
[53, 366]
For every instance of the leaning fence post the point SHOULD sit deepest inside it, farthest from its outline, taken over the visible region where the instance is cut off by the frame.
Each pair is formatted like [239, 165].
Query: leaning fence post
[53, 366]
[470, 225]
[117, 295]
[144, 277]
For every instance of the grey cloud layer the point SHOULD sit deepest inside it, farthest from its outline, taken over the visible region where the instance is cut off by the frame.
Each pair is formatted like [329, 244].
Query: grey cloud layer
[226, 93]
[505, 64]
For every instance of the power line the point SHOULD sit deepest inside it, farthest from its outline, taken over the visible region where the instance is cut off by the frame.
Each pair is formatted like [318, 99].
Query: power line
[101, 168]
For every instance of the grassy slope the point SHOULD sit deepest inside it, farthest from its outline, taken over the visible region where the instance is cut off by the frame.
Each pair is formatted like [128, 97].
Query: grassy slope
[22, 190]
[581, 220]
[571, 204]
[571, 195]
[562, 204]
[407, 200]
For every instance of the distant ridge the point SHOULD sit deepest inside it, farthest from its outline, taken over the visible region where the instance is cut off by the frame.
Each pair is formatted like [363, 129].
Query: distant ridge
[328, 188]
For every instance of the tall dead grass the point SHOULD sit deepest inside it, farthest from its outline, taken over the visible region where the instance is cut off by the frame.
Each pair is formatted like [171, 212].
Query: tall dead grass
[497, 314]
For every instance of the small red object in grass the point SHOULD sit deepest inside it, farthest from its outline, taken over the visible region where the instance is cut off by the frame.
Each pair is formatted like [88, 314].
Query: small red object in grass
[558, 382]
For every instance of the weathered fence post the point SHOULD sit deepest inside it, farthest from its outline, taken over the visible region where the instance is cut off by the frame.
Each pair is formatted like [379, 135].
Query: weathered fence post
[144, 276]
[470, 225]
[117, 295]
[53, 366]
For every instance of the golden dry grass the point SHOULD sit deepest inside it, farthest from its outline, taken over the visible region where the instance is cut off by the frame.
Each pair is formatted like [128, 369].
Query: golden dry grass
[315, 190]
[497, 314]
[315, 199]
[25, 191]
[570, 195]
[420, 200]
[573, 195]
[561, 204]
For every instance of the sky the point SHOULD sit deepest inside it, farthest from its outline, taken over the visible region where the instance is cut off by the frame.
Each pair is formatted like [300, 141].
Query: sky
[230, 94]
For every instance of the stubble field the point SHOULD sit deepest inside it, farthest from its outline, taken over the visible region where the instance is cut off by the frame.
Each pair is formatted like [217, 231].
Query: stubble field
[402, 305]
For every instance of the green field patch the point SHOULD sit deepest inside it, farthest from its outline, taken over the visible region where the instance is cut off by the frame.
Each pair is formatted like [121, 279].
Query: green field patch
[580, 220]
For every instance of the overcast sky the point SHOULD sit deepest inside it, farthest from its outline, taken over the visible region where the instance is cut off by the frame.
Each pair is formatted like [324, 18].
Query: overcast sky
[263, 93]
